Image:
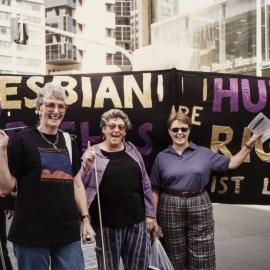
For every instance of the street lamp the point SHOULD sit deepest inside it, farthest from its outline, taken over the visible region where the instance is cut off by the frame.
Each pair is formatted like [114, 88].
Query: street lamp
[18, 31]
[20, 36]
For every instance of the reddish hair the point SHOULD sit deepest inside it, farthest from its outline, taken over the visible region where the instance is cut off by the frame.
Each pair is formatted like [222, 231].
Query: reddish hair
[180, 116]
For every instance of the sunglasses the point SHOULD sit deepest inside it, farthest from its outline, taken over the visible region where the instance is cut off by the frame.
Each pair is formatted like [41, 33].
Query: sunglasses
[183, 129]
[50, 106]
[113, 127]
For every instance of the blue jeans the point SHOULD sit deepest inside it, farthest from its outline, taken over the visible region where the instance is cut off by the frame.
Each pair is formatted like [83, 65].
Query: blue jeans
[62, 257]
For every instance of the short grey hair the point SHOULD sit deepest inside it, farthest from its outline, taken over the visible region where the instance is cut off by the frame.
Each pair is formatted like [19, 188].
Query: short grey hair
[50, 90]
[112, 114]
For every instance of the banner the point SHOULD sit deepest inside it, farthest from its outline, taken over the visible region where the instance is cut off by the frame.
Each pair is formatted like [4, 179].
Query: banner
[220, 106]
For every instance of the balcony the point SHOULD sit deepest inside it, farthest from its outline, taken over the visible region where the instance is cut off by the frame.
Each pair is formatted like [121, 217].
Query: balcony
[123, 8]
[66, 23]
[60, 3]
[63, 53]
[123, 33]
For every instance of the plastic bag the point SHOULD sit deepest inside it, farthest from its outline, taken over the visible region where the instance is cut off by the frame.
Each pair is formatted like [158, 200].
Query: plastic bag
[158, 258]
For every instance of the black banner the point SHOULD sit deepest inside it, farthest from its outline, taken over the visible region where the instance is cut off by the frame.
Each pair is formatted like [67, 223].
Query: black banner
[220, 106]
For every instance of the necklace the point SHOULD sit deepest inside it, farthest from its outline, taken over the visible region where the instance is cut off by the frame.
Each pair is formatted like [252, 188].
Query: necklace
[48, 141]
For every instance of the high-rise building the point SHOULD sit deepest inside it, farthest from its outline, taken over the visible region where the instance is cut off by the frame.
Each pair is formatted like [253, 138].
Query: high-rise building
[87, 41]
[163, 9]
[229, 36]
[22, 58]
[123, 32]
[132, 28]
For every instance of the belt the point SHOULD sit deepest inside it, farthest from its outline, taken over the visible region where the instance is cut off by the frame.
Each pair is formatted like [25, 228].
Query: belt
[185, 194]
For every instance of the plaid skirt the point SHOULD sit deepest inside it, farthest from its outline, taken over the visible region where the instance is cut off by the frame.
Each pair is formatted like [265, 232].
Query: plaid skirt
[188, 230]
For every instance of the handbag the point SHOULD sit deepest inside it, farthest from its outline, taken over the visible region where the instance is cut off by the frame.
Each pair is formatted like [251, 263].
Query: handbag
[158, 259]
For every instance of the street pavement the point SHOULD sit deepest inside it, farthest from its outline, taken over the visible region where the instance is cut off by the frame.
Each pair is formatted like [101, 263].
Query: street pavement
[242, 239]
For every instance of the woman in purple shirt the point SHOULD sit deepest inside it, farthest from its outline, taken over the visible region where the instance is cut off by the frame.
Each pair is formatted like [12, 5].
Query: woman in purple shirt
[179, 176]
[127, 207]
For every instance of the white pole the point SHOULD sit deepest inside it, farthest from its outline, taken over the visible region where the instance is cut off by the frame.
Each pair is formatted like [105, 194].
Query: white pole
[258, 38]
[100, 218]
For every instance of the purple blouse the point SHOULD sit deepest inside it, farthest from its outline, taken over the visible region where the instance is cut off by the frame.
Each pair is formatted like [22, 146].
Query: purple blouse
[189, 171]
[89, 180]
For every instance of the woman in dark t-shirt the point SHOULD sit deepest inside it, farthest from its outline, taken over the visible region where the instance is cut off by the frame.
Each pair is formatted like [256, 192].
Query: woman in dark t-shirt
[127, 209]
[51, 206]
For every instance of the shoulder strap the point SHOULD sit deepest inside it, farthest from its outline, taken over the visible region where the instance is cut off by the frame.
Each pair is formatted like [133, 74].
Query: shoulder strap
[68, 144]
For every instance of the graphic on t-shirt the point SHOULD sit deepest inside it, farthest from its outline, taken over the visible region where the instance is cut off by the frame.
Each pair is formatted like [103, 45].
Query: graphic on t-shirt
[55, 165]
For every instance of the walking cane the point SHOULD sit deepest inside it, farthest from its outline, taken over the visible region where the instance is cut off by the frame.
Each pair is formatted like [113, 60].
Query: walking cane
[2, 257]
[100, 218]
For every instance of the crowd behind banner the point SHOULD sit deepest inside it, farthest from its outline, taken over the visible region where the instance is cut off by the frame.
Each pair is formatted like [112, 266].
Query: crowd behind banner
[220, 105]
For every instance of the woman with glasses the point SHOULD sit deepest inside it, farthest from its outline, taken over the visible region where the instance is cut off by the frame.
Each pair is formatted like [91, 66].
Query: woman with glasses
[179, 176]
[127, 208]
[51, 206]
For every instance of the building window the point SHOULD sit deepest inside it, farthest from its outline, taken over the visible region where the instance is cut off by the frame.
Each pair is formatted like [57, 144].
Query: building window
[27, 5]
[32, 19]
[22, 61]
[5, 2]
[109, 32]
[29, 48]
[80, 27]
[5, 59]
[3, 30]
[4, 16]
[120, 60]
[109, 7]
[165, 11]
[5, 44]
[109, 59]
[123, 33]
[123, 8]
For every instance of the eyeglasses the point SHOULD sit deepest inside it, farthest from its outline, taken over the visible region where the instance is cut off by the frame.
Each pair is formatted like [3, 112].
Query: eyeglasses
[114, 126]
[50, 106]
[183, 129]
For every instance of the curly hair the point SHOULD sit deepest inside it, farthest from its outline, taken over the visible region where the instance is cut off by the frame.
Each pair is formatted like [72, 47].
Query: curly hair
[114, 113]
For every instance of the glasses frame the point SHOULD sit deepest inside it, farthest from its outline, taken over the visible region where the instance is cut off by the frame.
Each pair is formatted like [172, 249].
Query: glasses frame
[176, 129]
[114, 126]
[56, 105]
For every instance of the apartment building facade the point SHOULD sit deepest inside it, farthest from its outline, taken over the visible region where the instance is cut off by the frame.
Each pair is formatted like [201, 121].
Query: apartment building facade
[87, 38]
[123, 33]
[22, 58]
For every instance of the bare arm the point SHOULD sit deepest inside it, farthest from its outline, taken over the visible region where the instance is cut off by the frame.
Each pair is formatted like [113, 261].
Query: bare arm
[238, 158]
[80, 197]
[7, 181]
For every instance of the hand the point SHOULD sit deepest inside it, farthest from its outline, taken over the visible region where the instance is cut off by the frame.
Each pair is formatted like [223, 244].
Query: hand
[152, 227]
[3, 139]
[88, 158]
[10, 213]
[88, 235]
[253, 139]
[156, 231]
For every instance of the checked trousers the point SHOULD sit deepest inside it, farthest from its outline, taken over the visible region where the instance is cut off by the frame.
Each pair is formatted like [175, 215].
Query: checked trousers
[188, 229]
[131, 243]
